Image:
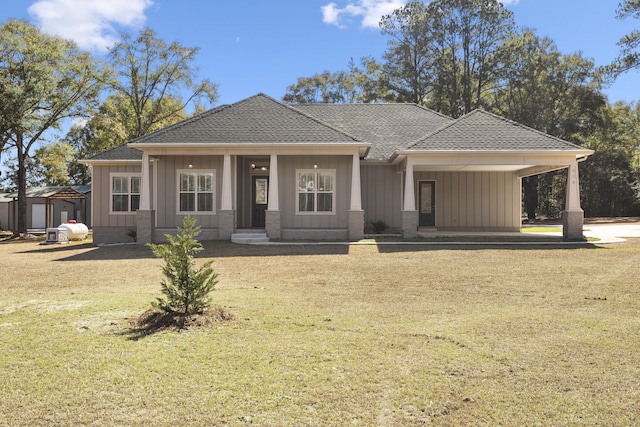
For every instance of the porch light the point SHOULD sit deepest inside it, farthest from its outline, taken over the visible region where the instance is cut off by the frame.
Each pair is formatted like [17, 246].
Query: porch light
[315, 166]
[190, 166]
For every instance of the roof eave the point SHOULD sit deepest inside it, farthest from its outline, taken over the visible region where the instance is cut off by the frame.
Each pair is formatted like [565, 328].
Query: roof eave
[242, 148]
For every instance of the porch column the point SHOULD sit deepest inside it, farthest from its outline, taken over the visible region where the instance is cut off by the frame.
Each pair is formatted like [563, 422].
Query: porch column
[409, 191]
[145, 217]
[272, 215]
[573, 215]
[145, 188]
[226, 217]
[409, 213]
[356, 214]
[226, 199]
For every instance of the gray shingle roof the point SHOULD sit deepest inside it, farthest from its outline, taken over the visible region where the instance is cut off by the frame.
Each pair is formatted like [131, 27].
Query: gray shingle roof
[53, 191]
[258, 119]
[388, 127]
[122, 152]
[483, 131]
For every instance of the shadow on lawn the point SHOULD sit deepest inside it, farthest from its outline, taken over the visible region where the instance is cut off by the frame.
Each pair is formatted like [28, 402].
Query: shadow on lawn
[224, 249]
[483, 247]
[212, 249]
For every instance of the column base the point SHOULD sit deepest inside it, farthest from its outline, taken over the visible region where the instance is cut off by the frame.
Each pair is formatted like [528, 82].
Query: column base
[272, 224]
[409, 224]
[145, 225]
[572, 223]
[226, 224]
[356, 225]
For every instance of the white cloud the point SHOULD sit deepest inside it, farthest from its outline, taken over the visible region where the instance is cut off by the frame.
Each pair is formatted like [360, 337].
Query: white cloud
[89, 23]
[368, 11]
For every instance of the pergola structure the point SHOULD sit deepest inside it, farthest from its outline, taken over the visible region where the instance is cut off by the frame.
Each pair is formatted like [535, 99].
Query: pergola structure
[49, 194]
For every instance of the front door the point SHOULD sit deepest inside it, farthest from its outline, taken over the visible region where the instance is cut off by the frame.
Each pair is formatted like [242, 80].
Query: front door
[427, 194]
[260, 190]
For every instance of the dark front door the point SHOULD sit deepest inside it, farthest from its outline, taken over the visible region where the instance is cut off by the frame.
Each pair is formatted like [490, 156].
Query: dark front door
[427, 193]
[260, 190]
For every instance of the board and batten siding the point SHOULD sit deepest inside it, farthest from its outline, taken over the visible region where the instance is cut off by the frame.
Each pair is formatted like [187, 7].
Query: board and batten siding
[382, 195]
[101, 185]
[288, 181]
[475, 200]
[167, 216]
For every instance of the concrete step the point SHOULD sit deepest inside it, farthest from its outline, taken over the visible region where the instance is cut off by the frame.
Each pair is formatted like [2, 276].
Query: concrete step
[249, 238]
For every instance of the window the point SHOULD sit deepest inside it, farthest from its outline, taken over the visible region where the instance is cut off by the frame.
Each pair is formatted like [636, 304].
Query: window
[195, 191]
[125, 193]
[315, 191]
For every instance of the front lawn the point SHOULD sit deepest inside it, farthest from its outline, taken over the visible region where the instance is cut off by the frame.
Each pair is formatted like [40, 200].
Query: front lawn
[326, 336]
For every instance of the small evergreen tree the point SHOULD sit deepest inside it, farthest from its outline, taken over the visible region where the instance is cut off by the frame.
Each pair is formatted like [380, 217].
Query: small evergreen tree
[186, 288]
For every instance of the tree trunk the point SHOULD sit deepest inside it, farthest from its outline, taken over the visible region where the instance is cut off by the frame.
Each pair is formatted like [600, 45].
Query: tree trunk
[22, 188]
[530, 186]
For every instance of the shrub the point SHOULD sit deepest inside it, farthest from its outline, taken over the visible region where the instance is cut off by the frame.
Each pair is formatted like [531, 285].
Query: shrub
[379, 226]
[186, 288]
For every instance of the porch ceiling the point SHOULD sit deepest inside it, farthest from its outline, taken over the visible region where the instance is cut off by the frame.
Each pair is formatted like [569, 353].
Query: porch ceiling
[522, 170]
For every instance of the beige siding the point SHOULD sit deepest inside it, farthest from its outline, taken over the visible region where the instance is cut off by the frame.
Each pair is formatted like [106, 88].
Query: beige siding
[382, 194]
[475, 200]
[167, 194]
[101, 191]
[287, 166]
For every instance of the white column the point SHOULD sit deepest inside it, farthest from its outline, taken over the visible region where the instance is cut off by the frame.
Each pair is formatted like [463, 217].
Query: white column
[356, 197]
[226, 203]
[145, 188]
[572, 202]
[273, 204]
[409, 196]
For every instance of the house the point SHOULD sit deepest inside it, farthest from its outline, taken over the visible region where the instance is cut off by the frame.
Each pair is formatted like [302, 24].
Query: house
[5, 204]
[323, 171]
[50, 207]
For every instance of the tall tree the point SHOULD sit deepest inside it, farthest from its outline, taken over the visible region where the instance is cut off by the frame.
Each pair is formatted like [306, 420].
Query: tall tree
[44, 80]
[409, 59]
[445, 55]
[154, 83]
[553, 93]
[629, 57]
[611, 182]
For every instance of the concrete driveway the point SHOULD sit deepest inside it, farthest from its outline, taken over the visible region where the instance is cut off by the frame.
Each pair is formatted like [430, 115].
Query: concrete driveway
[612, 233]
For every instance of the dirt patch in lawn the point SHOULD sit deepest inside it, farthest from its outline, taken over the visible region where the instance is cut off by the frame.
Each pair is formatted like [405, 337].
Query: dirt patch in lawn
[153, 320]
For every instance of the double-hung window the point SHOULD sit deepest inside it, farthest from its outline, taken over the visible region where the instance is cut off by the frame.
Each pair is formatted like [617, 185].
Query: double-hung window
[315, 191]
[125, 192]
[196, 191]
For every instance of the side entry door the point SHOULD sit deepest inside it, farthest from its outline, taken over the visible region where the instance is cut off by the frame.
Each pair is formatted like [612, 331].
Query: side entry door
[427, 199]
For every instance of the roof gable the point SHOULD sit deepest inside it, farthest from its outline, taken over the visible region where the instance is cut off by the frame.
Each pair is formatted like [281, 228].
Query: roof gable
[258, 119]
[483, 131]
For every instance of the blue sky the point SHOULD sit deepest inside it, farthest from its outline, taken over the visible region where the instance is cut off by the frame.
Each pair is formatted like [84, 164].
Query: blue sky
[263, 46]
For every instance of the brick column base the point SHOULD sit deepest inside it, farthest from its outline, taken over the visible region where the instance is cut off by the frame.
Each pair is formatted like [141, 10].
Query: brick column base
[145, 225]
[356, 225]
[226, 224]
[409, 224]
[272, 224]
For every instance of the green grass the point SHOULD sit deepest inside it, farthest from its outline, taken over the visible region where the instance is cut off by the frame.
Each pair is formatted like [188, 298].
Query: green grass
[335, 335]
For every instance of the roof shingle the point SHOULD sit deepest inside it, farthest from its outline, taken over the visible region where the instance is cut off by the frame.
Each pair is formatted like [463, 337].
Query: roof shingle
[258, 119]
[483, 131]
[388, 127]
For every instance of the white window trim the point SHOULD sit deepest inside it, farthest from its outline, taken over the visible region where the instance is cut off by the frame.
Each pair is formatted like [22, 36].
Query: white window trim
[333, 192]
[127, 175]
[213, 186]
